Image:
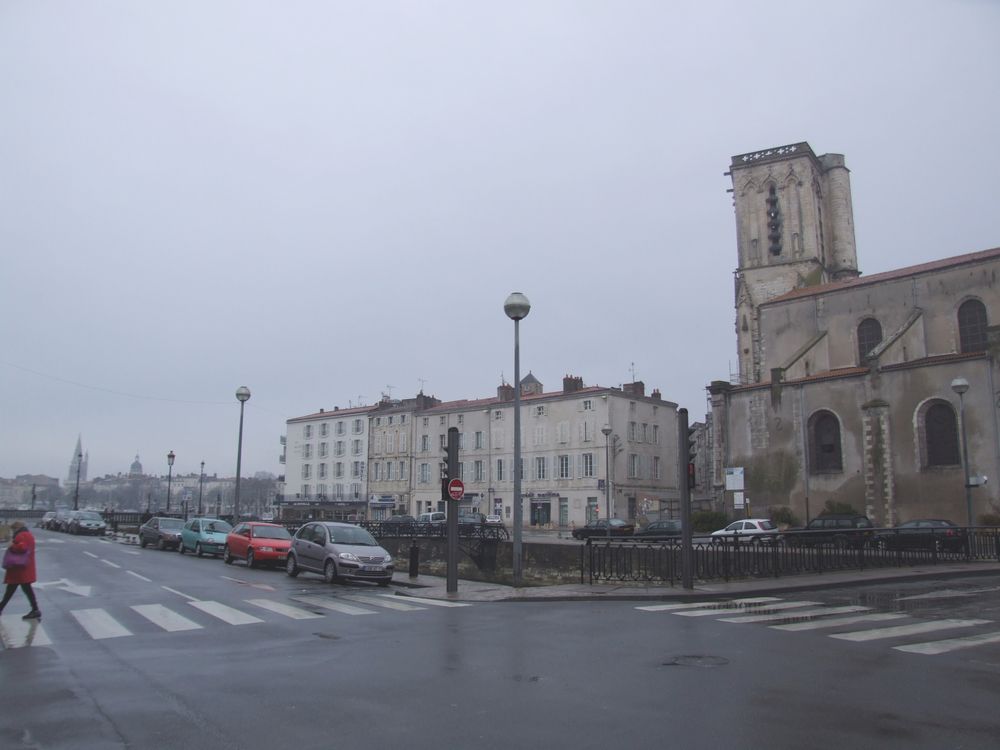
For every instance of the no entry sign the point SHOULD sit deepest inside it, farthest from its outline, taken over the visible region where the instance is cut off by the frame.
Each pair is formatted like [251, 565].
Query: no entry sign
[456, 489]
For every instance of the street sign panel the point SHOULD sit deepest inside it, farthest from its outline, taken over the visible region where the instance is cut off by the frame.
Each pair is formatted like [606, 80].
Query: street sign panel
[456, 489]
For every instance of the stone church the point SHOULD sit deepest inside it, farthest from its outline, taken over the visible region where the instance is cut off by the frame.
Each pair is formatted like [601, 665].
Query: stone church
[848, 385]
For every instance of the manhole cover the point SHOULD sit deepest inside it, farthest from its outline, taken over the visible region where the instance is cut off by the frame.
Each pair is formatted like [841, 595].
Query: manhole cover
[696, 661]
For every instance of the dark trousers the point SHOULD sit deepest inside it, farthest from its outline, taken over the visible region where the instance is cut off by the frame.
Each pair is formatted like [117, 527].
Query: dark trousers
[28, 592]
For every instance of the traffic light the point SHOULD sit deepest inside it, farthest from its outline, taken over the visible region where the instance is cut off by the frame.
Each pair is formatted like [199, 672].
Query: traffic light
[449, 462]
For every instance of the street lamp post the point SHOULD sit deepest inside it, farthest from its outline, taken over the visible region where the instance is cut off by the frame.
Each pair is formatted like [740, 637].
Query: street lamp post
[170, 476]
[242, 394]
[517, 308]
[76, 492]
[960, 386]
[607, 475]
[201, 485]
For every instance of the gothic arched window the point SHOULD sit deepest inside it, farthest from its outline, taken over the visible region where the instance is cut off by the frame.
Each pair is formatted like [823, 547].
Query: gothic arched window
[972, 326]
[941, 435]
[824, 443]
[869, 337]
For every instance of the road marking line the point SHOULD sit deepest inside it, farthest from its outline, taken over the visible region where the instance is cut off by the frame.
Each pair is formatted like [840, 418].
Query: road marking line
[384, 602]
[833, 622]
[180, 593]
[130, 552]
[901, 630]
[18, 633]
[346, 609]
[432, 602]
[224, 613]
[263, 586]
[762, 610]
[133, 573]
[99, 624]
[949, 644]
[283, 609]
[112, 564]
[165, 618]
[813, 612]
[91, 554]
[722, 604]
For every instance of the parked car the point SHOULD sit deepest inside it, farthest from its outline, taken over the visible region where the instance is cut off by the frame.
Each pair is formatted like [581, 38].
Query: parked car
[61, 521]
[471, 519]
[161, 532]
[666, 528]
[761, 530]
[923, 533]
[493, 520]
[838, 529]
[400, 520]
[87, 522]
[599, 527]
[435, 517]
[204, 536]
[257, 543]
[339, 551]
[45, 521]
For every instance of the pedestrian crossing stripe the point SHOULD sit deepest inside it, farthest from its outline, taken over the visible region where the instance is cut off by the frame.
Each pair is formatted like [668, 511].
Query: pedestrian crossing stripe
[18, 633]
[225, 613]
[904, 630]
[99, 624]
[431, 602]
[763, 610]
[283, 609]
[327, 603]
[949, 644]
[387, 603]
[834, 622]
[165, 618]
[727, 604]
[811, 612]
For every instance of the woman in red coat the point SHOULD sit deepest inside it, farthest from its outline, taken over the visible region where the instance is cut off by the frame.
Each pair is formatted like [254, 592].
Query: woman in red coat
[22, 575]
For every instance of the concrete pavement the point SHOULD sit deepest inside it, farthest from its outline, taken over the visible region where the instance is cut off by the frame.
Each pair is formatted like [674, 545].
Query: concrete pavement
[434, 587]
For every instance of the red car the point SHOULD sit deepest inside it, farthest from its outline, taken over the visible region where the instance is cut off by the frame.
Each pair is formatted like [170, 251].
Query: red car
[257, 543]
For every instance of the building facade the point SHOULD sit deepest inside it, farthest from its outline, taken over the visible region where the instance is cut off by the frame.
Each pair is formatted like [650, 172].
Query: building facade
[844, 391]
[565, 454]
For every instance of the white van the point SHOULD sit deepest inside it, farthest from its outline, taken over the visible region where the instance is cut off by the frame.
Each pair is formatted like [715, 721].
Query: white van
[435, 517]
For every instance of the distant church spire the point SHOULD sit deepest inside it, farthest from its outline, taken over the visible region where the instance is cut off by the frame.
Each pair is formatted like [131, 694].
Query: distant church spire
[79, 457]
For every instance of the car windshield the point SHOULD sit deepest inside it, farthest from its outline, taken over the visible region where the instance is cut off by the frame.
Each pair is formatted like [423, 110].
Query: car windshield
[351, 535]
[90, 516]
[171, 523]
[219, 527]
[766, 525]
[271, 532]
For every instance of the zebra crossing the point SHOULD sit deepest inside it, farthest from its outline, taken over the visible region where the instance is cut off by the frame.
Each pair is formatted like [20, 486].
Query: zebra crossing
[98, 623]
[804, 615]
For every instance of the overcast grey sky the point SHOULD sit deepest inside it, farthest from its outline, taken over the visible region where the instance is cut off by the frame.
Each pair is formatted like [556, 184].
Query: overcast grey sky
[320, 199]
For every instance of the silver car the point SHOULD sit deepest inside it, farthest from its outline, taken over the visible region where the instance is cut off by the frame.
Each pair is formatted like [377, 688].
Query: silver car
[339, 551]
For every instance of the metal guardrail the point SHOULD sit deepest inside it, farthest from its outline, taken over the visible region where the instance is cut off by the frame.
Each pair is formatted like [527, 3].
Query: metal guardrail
[659, 560]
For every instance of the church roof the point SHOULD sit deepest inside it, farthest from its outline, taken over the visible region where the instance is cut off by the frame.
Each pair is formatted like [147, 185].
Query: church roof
[530, 379]
[899, 273]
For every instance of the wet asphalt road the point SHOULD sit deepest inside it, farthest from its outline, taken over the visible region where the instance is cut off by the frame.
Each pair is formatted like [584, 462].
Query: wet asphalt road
[488, 675]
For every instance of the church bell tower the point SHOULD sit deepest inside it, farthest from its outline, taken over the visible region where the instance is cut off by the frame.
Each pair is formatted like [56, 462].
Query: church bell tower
[794, 228]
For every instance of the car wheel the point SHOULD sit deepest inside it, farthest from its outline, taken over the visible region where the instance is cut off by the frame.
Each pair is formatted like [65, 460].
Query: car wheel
[330, 571]
[250, 560]
[142, 542]
[227, 556]
[290, 567]
[198, 550]
[180, 547]
[160, 544]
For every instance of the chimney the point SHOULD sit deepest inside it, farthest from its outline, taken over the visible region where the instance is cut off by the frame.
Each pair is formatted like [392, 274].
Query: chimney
[505, 392]
[656, 394]
[572, 383]
[321, 410]
[638, 388]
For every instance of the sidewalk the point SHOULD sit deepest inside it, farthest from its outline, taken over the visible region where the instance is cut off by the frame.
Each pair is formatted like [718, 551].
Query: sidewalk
[434, 587]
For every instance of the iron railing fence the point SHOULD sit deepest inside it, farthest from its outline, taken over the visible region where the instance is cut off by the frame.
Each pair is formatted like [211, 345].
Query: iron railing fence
[622, 559]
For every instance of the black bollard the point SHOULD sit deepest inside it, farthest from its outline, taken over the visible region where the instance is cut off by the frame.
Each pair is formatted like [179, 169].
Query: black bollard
[414, 560]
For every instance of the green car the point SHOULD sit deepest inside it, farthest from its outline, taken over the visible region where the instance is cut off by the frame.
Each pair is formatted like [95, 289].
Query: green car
[204, 536]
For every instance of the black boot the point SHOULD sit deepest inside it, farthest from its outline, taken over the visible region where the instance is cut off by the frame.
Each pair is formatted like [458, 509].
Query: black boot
[33, 615]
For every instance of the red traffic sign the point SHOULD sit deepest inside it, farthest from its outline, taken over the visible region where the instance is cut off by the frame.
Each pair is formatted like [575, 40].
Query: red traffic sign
[456, 489]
